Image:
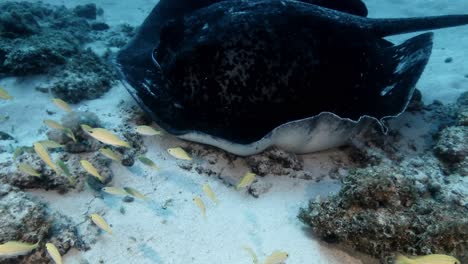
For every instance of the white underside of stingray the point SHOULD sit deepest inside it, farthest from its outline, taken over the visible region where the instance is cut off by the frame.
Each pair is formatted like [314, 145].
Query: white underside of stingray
[317, 133]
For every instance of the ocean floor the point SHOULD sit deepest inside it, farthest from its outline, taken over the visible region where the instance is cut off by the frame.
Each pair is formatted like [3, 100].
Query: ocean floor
[168, 227]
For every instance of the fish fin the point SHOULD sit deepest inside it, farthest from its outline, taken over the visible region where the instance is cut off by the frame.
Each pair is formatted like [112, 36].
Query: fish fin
[389, 76]
[354, 7]
[388, 27]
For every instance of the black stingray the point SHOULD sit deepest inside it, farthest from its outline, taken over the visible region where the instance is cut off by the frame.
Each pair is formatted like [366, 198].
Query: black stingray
[236, 70]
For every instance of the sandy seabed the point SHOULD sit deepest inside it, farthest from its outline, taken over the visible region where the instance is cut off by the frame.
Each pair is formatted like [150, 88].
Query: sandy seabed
[147, 233]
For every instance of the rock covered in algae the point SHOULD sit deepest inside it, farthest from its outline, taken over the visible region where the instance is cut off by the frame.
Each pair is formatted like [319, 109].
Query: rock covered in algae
[24, 218]
[85, 76]
[382, 210]
[49, 180]
[452, 142]
[37, 38]
[452, 145]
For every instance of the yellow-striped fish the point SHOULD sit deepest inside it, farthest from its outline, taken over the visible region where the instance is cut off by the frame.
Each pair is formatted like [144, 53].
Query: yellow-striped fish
[106, 137]
[16, 248]
[50, 144]
[18, 151]
[41, 151]
[148, 162]
[147, 131]
[276, 257]
[4, 94]
[26, 168]
[86, 128]
[69, 133]
[428, 259]
[135, 193]
[209, 192]
[179, 153]
[91, 170]
[64, 168]
[62, 105]
[115, 191]
[53, 124]
[111, 154]
[199, 203]
[99, 221]
[252, 254]
[54, 253]
[248, 178]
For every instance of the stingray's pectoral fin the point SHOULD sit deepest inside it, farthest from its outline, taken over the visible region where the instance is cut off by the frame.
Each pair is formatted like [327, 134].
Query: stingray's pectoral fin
[398, 72]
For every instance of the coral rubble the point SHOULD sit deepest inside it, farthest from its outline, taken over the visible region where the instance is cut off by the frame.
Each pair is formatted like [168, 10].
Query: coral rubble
[37, 38]
[383, 210]
[24, 218]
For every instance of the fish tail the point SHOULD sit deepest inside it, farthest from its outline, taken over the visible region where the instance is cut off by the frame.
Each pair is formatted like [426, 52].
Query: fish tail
[395, 26]
[400, 259]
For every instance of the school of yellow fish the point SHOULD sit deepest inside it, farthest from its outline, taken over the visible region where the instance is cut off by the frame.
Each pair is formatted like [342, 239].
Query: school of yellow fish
[16, 248]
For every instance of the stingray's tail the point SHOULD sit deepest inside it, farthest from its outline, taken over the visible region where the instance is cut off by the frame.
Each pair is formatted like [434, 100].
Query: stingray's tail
[388, 27]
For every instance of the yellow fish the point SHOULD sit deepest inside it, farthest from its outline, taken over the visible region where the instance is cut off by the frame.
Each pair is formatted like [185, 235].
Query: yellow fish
[99, 221]
[276, 257]
[209, 192]
[248, 178]
[252, 254]
[133, 192]
[148, 162]
[54, 253]
[86, 128]
[179, 153]
[69, 133]
[110, 154]
[91, 170]
[50, 144]
[26, 168]
[429, 259]
[42, 153]
[18, 151]
[114, 191]
[199, 203]
[53, 124]
[15, 248]
[106, 137]
[64, 168]
[62, 105]
[4, 94]
[147, 131]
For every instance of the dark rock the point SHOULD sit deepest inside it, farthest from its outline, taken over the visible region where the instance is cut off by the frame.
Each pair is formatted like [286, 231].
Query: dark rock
[463, 99]
[14, 24]
[36, 54]
[100, 26]
[416, 103]
[128, 199]
[5, 136]
[452, 146]
[88, 11]
[448, 60]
